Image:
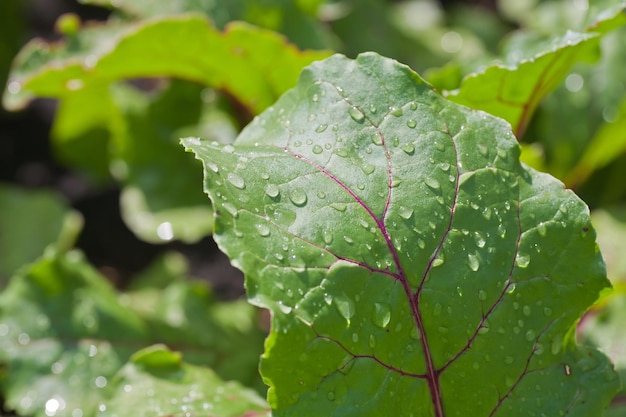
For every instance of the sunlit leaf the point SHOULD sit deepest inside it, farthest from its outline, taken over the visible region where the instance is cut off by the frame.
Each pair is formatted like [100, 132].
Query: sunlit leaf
[252, 64]
[512, 90]
[65, 333]
[156, 381]
[411, 263]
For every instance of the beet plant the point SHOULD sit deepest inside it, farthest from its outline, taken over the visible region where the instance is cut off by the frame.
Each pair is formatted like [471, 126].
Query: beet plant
[411, 235]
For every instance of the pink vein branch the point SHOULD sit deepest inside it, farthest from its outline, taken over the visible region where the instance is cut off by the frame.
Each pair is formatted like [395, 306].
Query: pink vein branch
[372, 357]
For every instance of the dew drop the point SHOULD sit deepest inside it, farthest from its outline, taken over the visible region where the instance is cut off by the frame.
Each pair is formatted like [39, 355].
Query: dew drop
[341, 152]
[411, 123]
[432, 183]
[348, 239]
[355, 337]
[321, 128]
[356, 114]
[382, 314]
[377, 140]
[263, 229]
[298, 197]
[483, 149]
[437, 309]
[482, 295]
[483, 330]
[367, 168]
[509, 360]
[315, 98]
[345, 306]
[526, 311]
[408, 148]
[479, 239]
[542, 229]
[339, 206]
[327, 236]
[236, 181]
[443, 329]
[317, 149]
[438, 261]
[232, 210]
[405, 212]
[547, 311]
[522, 260]
[511, 288]
[530, 335]
[421, 244]
[473, 261]
[328, 299]
[487, 213]
[396, 111]
[272, 190]
[372, 341]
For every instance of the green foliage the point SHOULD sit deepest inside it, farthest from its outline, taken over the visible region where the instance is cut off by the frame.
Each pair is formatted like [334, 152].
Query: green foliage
[66, 333]
[366, 291]
[411, 264]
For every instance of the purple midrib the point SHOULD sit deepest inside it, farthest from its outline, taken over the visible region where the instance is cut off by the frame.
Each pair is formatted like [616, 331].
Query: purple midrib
[432, 375]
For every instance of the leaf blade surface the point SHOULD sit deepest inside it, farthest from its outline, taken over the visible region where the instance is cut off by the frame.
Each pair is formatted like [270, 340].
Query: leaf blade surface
[406, 255]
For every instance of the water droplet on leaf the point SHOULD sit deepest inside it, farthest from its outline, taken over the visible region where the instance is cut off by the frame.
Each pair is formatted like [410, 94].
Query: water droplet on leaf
[272, 190]
[263, 229]
[356, 114]
[382, 314]
[345, 306]
[432, 183]
[408, 148]
[321, 128]
[405, 212]
[236, 181]
[473, 261]
[298, 197]
[522, 260]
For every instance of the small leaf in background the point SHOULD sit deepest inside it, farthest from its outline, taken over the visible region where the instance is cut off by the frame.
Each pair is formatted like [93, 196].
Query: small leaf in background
[64, 336]
[409, 260]
[66, 332]
[30, 221]
[254, 65]
[156, 382]
[294, 19]
[159, 200]
[512, 90]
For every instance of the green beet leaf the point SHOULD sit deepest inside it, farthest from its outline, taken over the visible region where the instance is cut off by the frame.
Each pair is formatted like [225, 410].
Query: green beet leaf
[512, 90]
[412, 265]
[65, 333]
[156, 382]
[252, 64]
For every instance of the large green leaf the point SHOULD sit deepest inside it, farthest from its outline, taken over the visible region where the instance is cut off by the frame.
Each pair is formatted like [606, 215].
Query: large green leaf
[157, 382]
[412, 265]
[64, 333]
